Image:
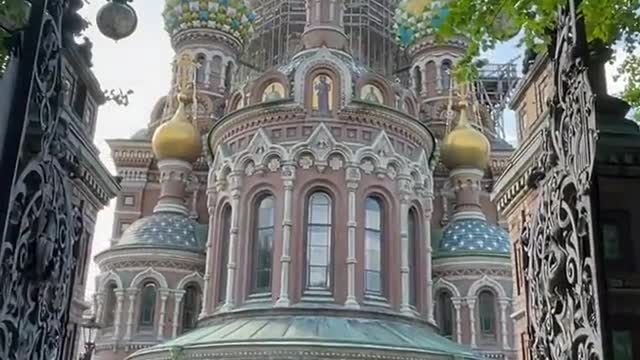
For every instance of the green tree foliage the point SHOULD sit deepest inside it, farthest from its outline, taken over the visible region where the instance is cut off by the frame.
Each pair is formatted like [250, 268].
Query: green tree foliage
[488, 22]
[12, 16]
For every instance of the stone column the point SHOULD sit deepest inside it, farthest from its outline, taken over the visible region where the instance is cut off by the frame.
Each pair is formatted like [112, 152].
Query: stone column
[132, 293]
[353, 178]
[503, 323]
[457, 302]
[428, 211]
[405, 307]
[100, 306]
[471, 303]
[116, 323]
[177, 297]
[207, 301]
[233, 242]
[288, 174]
[164, 294]
[425, 84]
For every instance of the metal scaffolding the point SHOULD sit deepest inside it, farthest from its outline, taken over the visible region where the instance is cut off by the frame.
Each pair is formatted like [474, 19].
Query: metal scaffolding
[280, 24]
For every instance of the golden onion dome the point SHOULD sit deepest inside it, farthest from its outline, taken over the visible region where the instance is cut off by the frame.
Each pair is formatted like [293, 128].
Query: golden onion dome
[177, 138]
[465, 147]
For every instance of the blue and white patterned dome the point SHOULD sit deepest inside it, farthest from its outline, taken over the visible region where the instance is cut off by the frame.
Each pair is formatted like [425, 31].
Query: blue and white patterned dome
[165, 230]
[474, 237]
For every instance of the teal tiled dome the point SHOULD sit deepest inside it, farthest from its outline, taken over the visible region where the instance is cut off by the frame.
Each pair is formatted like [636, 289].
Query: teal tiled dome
[474, 237]
[313, 332]
[165, 230]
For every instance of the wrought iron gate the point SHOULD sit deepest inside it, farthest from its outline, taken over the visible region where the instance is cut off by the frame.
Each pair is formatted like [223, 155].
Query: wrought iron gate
[562, 280]
[41, 222]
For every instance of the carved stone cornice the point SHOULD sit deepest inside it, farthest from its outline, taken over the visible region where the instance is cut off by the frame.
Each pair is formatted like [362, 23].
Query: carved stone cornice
[205, 35]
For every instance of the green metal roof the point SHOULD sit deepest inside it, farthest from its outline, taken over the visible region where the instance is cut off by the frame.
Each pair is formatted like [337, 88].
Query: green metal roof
[318, 331]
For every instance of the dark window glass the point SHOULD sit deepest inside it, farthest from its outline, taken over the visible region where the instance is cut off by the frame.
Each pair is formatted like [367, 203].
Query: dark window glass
[110, 308]
[445, 74]
[418, 81]
[224, 253]
[80, 99]
[319, 241]
[148, 304]
[413, 253]
[263, 245]
[445, 314]
[191, 306]
[202, 68]
[373, 247]
[487, 313]
[622, 345]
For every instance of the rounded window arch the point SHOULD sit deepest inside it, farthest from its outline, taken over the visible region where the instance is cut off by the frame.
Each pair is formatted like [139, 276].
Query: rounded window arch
[445, 74]
[191, 306]
[148, 296]
[318, 241]
[372, 93]
[445, 313]
[487, 313]
[431, 76]
[262, 251]
[215, 73]
[225, 233]
[110, 305]
[273, 91]
[374, 243]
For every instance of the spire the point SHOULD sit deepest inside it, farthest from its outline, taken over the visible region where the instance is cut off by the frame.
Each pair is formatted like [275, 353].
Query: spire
[325, 24]
[177, 144]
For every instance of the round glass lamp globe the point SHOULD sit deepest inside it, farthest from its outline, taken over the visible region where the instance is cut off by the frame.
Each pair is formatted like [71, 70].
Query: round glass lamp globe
[117, 20]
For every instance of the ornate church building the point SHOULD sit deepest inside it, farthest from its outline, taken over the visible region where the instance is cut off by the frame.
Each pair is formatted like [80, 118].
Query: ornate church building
[315, 185]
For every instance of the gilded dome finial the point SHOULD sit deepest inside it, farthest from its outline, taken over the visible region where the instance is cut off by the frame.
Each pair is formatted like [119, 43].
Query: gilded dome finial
[464, 146]
[178, 138]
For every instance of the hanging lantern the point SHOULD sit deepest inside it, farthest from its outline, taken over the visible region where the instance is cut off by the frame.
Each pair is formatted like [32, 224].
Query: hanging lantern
[117, 19]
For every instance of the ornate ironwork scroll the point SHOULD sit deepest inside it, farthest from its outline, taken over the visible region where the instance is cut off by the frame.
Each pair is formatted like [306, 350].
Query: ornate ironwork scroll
[562, 292]
[37, 258]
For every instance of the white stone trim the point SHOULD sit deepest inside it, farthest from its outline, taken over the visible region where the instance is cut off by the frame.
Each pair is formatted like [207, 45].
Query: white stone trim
[486, 281]
[146, 274]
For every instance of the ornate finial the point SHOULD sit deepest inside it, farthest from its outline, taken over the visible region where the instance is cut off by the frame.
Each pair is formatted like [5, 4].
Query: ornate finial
[186, 68]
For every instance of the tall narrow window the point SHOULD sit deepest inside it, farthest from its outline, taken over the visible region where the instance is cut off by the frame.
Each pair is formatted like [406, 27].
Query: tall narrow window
[228, 77]
[202, 68]
[224, 253]
[110, 308]
[412, 233]
[445, 314]
[373, 247]
[148, 304]
[487, 313]
[190, 307]
[418, 80]
[445, 75]
[263, 245]
[319, 242]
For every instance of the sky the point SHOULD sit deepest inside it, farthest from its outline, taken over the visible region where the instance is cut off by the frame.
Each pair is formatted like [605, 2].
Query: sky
[141, 62]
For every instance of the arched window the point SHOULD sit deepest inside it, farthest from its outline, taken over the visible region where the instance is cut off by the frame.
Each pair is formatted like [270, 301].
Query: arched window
[202, 68]
[373, 243]
[487, 312]
[445, 74]
[412, 233]
[417, 74]
[318, 241]
[228, 76]
[264, 227]
[224, 253]
[110, 305]
[190, 307]
[445, 313]
[215, 73]
[147, 304]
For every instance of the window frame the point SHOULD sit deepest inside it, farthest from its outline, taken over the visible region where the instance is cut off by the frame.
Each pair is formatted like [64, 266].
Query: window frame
[381, 232]
[197, 306]
[254, 290]
[142, 324]
[413, 257]
[307, 289]
[440, 313]
[110, 305]
[493, 334]
[225, 237]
